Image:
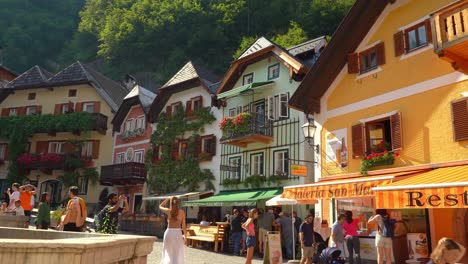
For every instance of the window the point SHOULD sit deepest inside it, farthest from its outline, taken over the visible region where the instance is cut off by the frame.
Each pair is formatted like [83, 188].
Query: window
[197, 103]
[120, 158]
[57, 147]
[232, 112]
[273, 71]
[281, 162]
[183, 148]
[72, 93]
[460, 119]
[65, 108]
[13, 112]
[209, 144]
[176, 107]
[31, 110]
[82, 185]
[32, 96]
[246, 108]
[139, 156]
[412, 38]
[87, 149]
[140, 122]
[366, 60]
[247, 79]
[130, 124]
[235, 167]
[3, 149]
[256, 164]
[416, 37]
[277, 107]
[88, 107]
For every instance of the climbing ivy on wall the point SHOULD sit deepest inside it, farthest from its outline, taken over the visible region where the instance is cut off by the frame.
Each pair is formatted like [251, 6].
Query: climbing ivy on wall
[168, 173]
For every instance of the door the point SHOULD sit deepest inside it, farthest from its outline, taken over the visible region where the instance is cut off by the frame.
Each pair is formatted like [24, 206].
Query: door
[260, 117]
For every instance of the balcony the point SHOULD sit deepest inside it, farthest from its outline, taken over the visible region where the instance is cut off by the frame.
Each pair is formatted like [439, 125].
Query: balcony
[245, 130]
[450, 29]
[51, 161]
[123, 174]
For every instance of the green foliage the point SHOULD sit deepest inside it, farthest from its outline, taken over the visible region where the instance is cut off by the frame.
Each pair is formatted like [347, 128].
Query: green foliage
[167, 175]
[254, 181]
[228, 182]
[295, 35]
[274, 180]
[377, 159]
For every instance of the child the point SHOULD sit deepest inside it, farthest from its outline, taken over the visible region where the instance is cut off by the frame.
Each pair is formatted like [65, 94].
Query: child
[249, 227]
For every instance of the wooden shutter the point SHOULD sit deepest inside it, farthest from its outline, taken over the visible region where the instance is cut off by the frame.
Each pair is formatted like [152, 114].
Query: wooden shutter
[213, 145]
[428, 31]
[168, 110]
[5, 111]
[69, 148]
[58, 109]
[200, 98]
[95, 154]
[70, 107]
[42, 147]
[380, 53]
[97, 107]
[79, 107]
[156, 153]
[198, 146]
[358, 138]
[188, 107]
[460, 119]
[353, 63]
[399, 43]
[396, 130]
[175, 150]
[21, 111]
[39, 109]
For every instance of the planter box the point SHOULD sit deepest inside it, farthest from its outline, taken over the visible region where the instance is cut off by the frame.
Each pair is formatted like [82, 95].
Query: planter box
[385, 162]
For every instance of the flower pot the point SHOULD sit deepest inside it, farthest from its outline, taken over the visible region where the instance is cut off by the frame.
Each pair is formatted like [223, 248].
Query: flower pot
[384, 162]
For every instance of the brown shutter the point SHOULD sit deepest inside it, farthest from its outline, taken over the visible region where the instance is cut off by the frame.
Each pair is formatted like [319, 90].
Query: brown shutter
[213, 146]
[79, 107]
[428, 31]
[69, 148]
[70, 106]
[95, 154]
[460, 119]
[198, 146]
[399, 43]
[58, 109]
[5, 111]
[42, 147]
[353, 63]
[380, 52]
[175, 150]
[396, 130]
[168, 110]
[188, 107]
[39, 109]
[358, 138]
[22, 111]
[201, 100]
[97, 107]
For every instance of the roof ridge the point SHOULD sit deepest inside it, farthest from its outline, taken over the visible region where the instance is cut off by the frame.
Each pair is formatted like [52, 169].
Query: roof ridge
[305, 42]
[178, 73]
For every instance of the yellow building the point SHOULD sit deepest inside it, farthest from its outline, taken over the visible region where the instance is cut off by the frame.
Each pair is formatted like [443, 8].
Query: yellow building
[69, 116]
[389, 95]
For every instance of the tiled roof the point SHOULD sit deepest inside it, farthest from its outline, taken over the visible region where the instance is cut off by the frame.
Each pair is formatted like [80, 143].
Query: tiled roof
[259, 44]
[145, 96]
[34, 77]
[5, 68]
[191, 71]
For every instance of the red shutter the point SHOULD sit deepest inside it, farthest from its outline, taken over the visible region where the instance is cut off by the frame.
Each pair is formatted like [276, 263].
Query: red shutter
[95, 154]
[460, 119]
[79, 107]
[97, 107]
[168, 110]
[358, 138]
[188, 107]
[399, 43]
[22, 111]
[428, 31]
[5, 111]
[42, 147]
[58, 109]
[396, 130]
[213, 146]
[39, 109]
[380, 52]
[175, 150]
[353, 63]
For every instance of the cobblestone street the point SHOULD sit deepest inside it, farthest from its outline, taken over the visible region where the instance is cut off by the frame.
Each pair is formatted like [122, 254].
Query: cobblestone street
[199, 256]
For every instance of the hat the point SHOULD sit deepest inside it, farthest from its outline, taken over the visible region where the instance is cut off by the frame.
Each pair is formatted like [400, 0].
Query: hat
[281, 213]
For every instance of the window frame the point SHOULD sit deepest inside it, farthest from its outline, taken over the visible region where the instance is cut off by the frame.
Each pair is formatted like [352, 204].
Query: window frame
[59, 145]
[28, 110]
[175, 106]
[87, 149]
[140, 122]
[275, 152]
[13, 111]
[183, 151]
[31, 96]
[245, 78]
[72, 93]
[139, 152]
[130, 125]
[272, 77]
[239, 165]
[117, 156]
[195, 100]
[206, 138]
[63, 110]
[415, 28]
[367, 53]
[87, 104]
[232, 112]
[253, 164]
[82, 185]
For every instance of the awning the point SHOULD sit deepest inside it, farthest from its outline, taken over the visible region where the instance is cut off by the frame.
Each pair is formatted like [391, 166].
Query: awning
[343, 188]
[180, 195]
[440, 188]
[242, 89]
[235, 198]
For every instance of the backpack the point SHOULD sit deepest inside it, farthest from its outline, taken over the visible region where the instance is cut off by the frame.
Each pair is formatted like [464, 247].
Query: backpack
[388, 227]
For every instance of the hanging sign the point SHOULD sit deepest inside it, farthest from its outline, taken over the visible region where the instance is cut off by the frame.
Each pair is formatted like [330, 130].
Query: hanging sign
[273, 254]
[299, 170]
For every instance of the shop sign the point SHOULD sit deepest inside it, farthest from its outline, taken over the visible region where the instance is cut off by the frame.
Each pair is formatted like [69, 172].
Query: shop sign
[299, 170]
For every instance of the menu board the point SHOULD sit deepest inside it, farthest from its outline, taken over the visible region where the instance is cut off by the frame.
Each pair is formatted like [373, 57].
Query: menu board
[274, 254]
[417, 245]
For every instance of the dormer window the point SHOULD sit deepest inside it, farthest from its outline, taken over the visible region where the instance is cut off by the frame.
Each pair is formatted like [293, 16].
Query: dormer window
[247, 79]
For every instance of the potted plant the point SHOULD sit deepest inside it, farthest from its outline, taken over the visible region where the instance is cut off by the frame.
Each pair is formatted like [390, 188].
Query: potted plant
[27, 160]
[228, 182]
[226, 126]
[255, 181]
[50, 160]
[385, 157]
[274, 179]
[205, 156]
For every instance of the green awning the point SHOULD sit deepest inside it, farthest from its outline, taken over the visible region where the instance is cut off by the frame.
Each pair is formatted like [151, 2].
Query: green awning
[235, 198]
[242, 89]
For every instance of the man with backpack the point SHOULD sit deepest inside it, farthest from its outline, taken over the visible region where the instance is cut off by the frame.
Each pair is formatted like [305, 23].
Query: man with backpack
[74, 219]
[385, 234]
[108, 218]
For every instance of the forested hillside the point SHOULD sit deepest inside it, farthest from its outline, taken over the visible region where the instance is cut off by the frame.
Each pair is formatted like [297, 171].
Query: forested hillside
[158, 36]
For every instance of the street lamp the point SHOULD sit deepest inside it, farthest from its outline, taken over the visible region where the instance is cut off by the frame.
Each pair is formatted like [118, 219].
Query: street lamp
[309, 131]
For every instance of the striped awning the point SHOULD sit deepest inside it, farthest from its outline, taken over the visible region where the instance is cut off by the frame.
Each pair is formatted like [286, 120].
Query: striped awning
[440, 188]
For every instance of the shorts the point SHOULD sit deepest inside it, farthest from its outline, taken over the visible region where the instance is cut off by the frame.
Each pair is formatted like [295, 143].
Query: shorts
[250, 241]
[262, 233]
[307, 252]
[244, 235]
[381, 241]
[27, 213]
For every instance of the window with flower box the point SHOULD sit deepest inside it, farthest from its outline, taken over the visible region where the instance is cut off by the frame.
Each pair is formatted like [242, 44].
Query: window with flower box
[207, 148]
[141, 123]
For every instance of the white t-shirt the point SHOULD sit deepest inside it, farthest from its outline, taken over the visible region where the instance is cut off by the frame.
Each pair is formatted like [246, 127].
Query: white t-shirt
[14, 197]
[19, 211]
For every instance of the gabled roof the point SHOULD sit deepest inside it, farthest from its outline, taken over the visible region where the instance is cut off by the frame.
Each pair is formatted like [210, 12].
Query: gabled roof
[5, 68]
[138, 95]
[188, 77]
[34, 77]
[347, 37]
[260, 49]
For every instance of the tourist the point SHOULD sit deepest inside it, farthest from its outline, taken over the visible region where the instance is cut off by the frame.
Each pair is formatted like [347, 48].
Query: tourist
[14, 196]
[173, 242]
[108, 218]
[7, 194]
[447, 251]
[203, 222]
[43, 213]
[245, 216]
[350, 227]
[383, 239]
[249, 228]
[310, 241]
[75, 215]
[18, 210]
[4, 208]
[236, 230]
[26, 192]
[297, 221]
[285, 221]
[265, 223]
[337, 234]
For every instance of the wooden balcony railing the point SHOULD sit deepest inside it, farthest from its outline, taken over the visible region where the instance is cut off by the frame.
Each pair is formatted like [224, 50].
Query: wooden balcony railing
[124, 173]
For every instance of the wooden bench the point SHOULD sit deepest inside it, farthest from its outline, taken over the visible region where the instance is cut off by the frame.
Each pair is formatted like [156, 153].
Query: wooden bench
[213, 234]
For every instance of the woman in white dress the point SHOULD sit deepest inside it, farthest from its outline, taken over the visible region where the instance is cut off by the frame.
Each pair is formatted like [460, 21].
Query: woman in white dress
[173, 244]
